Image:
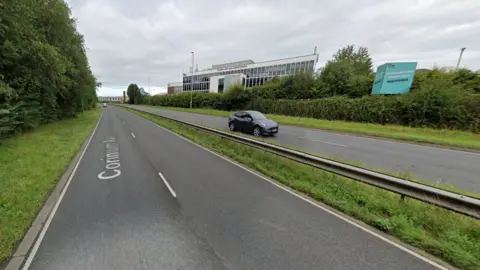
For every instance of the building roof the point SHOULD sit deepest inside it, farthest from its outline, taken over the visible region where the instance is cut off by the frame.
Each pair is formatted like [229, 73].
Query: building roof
[233, 64]
[174, 84]
[251, 64]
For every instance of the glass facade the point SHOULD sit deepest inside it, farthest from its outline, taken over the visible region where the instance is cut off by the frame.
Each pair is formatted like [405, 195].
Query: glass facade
[255, 75]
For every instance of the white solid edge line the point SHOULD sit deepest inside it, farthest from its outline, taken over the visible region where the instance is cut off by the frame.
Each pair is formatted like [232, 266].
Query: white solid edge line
[54, 210]
[133, 135]
[168, 185]
[367, 230]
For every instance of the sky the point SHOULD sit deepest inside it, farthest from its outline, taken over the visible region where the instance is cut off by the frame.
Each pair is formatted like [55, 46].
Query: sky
[149, 42]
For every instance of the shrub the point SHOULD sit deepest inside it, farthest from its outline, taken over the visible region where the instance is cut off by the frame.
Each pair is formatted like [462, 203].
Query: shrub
[439, 98]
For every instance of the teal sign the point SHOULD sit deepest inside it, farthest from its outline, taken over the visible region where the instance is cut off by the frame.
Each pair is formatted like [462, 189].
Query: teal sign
[394, 78]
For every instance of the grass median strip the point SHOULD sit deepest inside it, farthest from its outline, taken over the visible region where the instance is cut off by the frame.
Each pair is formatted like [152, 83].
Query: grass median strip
[451, 138]
[449, 236]
[30, 166]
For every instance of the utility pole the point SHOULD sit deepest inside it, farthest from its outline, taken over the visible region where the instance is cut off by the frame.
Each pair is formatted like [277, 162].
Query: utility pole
[150, 92]
[191, 90]
[460, 57]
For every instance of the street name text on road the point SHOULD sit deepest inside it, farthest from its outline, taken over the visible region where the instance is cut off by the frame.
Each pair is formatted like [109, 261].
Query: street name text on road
[112, 160]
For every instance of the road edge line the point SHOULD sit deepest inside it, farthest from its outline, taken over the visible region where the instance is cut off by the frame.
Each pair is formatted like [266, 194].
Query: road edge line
[34, 235]
[415, 252]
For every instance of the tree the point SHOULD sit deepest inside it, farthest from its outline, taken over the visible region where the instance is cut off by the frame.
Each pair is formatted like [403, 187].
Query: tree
[336, 77]
[43, 62]
[348, 73]
[134, 94]
[360, 58]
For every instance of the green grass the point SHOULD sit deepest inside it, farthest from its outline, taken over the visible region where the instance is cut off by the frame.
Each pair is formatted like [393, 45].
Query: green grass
[30, 166]
[449, 236]
[450, 138]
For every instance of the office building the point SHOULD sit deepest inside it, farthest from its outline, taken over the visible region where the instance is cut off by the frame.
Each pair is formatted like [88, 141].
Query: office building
[248, 73]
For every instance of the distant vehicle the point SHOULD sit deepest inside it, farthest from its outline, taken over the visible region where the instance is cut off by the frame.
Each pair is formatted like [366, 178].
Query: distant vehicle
[104, 104]
[252, 122]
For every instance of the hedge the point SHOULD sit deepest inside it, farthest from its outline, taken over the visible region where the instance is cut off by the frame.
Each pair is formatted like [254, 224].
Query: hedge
[450, 108]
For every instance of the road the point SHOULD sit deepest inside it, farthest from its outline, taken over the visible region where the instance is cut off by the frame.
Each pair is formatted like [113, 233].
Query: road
[118, 213]
[450, 167]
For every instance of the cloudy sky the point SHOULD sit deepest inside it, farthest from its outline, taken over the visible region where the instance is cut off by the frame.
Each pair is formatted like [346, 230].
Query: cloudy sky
[132, 41]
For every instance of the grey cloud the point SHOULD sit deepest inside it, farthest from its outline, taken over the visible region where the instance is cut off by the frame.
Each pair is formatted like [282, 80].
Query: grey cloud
[130, 41]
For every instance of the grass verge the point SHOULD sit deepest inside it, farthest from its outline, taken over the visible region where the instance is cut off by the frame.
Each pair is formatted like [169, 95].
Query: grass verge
[30, 166]
[444, 137]
[449, 236]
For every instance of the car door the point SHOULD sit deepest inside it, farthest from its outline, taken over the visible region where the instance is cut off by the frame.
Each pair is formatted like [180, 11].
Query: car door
[239, 121]
[247, 123]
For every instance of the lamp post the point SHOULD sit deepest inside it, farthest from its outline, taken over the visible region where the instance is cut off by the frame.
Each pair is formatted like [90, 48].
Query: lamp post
[460, 57]
[191, 90]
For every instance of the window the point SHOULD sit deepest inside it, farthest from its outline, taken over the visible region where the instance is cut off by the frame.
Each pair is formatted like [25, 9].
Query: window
[220, 85]
[256, 115]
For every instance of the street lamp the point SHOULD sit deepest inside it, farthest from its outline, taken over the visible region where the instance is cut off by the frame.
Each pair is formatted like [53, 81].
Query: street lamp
[460, 57]
[191, 90]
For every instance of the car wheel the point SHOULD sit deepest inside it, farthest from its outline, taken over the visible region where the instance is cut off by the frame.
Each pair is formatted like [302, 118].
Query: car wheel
[231, 126]
[257, 132]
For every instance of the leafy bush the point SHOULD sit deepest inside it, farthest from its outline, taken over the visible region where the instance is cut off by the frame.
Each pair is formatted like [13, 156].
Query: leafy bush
[451, 108]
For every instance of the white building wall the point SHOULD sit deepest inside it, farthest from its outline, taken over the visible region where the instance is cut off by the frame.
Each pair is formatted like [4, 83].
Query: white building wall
[214, 83]
[257, 73]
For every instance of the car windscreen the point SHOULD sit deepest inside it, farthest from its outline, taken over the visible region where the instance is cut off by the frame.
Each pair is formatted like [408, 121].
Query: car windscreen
[257, 115]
